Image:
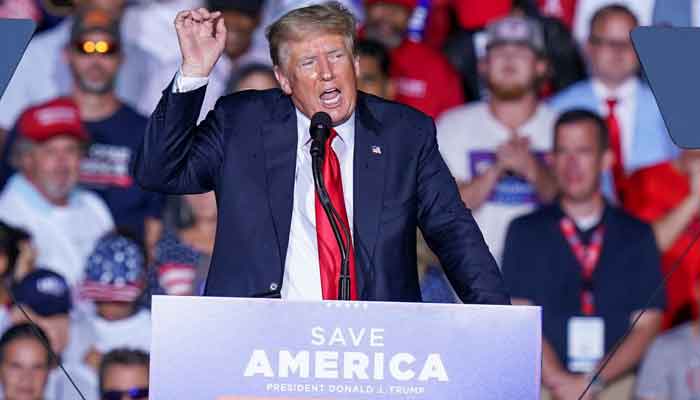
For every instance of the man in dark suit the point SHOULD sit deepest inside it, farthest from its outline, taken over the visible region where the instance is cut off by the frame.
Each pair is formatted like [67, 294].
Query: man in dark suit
[382, 168]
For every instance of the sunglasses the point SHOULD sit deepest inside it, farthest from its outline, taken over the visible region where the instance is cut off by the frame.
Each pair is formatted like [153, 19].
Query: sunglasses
[96, 47]
[133, 394]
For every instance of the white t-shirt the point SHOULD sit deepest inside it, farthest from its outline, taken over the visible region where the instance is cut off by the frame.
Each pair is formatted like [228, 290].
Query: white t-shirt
[64, 236]
[58, 387]
[468, 137]
[149, 27]
[133, 332]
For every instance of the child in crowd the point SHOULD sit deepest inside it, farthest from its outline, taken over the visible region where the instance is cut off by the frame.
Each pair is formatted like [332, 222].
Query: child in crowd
[115, 278]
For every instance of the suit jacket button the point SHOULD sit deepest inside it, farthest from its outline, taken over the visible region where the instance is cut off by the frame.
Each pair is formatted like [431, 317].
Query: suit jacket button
[273, 286]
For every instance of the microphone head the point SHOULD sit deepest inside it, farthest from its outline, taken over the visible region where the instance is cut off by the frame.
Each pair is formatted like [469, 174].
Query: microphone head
[320, 123]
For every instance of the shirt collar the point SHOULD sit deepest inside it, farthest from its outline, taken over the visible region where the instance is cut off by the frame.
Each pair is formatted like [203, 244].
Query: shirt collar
[346, 130]
[623, 92]
[604, 218]
[31, 195]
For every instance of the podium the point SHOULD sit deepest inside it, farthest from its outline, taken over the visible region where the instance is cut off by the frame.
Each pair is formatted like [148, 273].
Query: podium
[212, 348]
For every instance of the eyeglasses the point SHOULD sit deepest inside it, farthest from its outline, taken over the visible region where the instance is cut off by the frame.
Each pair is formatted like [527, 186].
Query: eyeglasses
[133, 393]
[96, 47]
[614, 44]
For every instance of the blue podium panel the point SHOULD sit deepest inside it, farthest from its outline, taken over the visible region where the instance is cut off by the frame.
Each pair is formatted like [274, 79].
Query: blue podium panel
[246, 349]
[671, 65]
[15, 34]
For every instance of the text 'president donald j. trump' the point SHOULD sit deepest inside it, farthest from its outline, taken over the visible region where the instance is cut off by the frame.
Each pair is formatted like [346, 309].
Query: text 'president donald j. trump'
[382, 170]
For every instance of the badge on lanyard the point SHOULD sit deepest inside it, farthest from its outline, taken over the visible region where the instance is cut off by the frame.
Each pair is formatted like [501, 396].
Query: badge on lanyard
[585, 334]
[586, 343]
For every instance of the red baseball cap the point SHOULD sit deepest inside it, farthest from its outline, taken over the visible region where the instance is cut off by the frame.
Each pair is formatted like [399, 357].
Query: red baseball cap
[411, 4]
[58, 117]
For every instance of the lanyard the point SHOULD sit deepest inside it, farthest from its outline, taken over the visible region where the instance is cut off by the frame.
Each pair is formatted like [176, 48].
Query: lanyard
[587, 257]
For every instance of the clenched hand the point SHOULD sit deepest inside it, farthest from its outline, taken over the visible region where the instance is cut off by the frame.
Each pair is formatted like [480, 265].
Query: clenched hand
[202, 37]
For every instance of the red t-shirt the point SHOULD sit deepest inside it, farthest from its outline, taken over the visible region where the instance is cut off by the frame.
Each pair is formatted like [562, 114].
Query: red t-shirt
[650, 195]
[425, 79]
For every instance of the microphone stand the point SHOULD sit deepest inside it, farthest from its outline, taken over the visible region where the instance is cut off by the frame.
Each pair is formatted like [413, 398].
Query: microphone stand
[317, 155]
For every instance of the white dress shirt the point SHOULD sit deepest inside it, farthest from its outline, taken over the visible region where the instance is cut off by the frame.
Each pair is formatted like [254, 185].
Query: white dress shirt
[625, 109]
[302, 277]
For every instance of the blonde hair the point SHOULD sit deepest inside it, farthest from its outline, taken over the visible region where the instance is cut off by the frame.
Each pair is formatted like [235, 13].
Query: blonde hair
[328, 18]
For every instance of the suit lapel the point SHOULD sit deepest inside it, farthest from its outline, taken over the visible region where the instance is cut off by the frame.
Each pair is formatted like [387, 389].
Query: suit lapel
[279, 135]
[368, 177]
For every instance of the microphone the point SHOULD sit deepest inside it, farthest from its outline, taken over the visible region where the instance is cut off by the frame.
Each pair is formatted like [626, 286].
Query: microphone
[320, 131]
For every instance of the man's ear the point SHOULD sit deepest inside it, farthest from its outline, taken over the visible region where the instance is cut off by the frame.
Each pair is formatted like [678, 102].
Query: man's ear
[356, 62]
[282, 80]
[390, 89]
[542, 68]
[587, 50]
[607, 160]
[482, 65]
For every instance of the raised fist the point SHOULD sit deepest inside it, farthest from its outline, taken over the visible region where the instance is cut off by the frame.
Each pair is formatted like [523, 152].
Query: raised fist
[202, 38]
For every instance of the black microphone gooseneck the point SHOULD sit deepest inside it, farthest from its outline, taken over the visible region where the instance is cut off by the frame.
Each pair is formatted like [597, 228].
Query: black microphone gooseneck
[657, 291]
[320, 131]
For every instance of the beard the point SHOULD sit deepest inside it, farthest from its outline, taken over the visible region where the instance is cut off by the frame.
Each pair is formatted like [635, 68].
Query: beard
[94, 86]
[511, 92]
[56, 191]
[389, 40]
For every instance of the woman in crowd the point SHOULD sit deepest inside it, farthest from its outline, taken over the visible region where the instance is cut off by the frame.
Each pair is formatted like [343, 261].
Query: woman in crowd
[183, 253]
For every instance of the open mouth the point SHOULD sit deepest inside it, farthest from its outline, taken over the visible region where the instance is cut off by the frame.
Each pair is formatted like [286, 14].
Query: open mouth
[330, 98]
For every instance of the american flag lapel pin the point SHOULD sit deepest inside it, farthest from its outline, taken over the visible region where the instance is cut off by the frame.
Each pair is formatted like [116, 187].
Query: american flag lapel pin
[376, 150]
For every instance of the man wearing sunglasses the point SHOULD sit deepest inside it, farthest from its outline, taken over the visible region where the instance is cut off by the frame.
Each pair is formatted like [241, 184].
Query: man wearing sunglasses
[94, 56]
[124, 375]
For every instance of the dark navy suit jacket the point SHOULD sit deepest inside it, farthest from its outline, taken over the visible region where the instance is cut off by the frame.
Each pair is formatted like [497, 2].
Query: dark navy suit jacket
[245, 150]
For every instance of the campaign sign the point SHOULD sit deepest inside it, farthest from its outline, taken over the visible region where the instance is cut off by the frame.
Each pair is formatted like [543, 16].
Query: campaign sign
[210, 348]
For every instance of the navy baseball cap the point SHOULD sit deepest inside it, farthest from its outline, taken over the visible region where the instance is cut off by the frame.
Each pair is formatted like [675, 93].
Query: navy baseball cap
[45, 292]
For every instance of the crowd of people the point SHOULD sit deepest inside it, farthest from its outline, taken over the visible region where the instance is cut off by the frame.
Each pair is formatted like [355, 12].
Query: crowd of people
[543, 118]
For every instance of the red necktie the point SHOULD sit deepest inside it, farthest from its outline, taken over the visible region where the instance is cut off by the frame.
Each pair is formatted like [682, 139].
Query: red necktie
[615, 133]
[328, 250]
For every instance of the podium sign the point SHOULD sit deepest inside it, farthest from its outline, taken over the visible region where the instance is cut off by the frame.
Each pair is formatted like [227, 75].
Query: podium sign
[243, 349]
